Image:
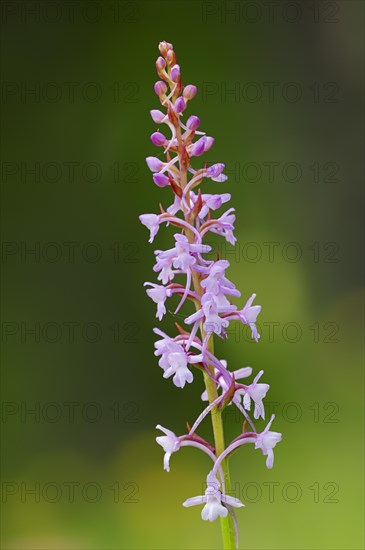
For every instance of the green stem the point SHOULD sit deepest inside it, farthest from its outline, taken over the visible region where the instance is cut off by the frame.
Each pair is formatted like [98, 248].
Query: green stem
[227, 527]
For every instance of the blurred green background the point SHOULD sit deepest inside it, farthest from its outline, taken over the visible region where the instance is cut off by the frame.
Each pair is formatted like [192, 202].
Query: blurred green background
[82, 393]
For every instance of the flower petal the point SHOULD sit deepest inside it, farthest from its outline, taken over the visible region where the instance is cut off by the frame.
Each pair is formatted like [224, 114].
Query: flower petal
[194, 501]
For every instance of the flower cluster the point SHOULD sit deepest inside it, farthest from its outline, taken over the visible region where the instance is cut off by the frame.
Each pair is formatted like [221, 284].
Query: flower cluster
[203, 282]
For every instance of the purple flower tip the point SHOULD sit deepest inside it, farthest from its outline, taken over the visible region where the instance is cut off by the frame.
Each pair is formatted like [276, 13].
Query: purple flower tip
[158, 139]
[198, 147]
[161, 180]
[160, 88]
[175, 73]
[157, 116]
[190, 91]
[215, 170]
[208, 143]
[154, 164]
[193, 122]
[160, 63]
[180, 105]
[164, 47]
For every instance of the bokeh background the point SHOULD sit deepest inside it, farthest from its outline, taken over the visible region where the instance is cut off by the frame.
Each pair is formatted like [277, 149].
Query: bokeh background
[280, 87]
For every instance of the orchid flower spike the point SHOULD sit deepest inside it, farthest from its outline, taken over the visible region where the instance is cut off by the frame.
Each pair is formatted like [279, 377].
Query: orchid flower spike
[206, 295]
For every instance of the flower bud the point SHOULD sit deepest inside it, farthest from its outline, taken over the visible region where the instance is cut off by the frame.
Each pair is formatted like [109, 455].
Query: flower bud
[157, 116]
[171, 57]
[160, 63]
[164, 47]
[161, 180]
[160, 88]
[154, 164]
[198, 147]
[180, 105]
[193, 122]
[158, 139]
[175, 73]
[208, 143]
[189, 91]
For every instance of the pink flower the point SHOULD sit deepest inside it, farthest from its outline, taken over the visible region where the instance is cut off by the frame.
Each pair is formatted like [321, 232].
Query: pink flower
[211, 202]
[158, 294]
[174, 360]
[214, 500]
[209, 312]
[224, 226]
[182, 256]
[152, 222]
[217, 284]
[266, 441]
[257, 393]
[248, 316]
[170, 444]
[244, 372]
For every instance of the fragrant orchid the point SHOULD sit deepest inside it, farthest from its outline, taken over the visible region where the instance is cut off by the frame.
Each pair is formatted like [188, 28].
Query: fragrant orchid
[185, 271]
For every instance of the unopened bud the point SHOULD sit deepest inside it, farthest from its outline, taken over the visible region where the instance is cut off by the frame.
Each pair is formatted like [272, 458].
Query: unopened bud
[154, 164]
[175, 73]
[193, 122]
[158, 139]
[180, 105]
[164, 47]
[171, 57]
[160, 63]
[160, 88]
[157, 116]
[190, 91]
[161, 180]
[198, 147]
